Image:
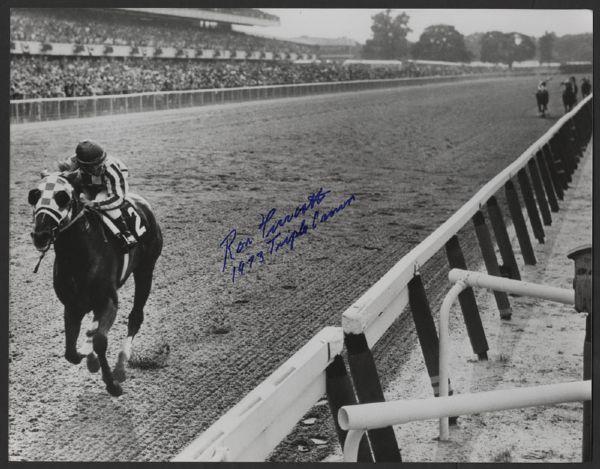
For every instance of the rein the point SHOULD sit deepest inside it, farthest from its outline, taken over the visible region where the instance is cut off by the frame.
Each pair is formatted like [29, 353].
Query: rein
[54, 233]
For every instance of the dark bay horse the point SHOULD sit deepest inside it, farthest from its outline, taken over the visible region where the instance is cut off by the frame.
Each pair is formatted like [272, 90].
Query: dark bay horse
[569, 96]
[89, 267]
[541, 97]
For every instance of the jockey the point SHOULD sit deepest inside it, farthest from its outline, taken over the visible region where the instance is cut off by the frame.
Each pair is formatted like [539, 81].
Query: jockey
[542, 86]
[104, 181]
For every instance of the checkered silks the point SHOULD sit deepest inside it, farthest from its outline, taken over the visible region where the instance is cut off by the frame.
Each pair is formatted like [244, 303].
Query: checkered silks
[49, 186]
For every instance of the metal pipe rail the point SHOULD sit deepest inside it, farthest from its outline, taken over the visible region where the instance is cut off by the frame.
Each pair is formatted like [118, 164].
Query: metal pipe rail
[465, 278]
[516, 287]
[357, 419]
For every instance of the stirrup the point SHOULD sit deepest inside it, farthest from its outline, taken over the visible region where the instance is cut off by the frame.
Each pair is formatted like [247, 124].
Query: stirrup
[128, 241]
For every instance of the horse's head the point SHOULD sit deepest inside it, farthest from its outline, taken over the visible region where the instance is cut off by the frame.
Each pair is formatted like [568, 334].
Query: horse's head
[53, 203]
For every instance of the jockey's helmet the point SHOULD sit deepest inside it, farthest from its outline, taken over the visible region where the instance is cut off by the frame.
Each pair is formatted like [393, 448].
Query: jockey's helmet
[91, 157]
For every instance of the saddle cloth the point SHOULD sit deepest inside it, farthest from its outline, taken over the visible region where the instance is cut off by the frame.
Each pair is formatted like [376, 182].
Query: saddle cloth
[137, 227]
[135, 222]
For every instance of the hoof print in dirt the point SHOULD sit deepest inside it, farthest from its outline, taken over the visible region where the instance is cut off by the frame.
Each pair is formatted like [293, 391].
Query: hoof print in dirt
[319, 441]
[153, 360]
[309, 421]
[220, 330]
[302, 446]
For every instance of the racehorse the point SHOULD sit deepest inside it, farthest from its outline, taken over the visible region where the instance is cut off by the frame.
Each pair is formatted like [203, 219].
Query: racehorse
[89, 267]
[541, 97]
[568, 96]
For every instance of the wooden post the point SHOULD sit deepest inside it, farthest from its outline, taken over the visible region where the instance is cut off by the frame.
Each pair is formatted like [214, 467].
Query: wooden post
[568, 147]
[428, 336]
[575, 140]
[491, 263]
[557, 151]
[340, 393]
[514, 207]
[545, 173]
[368, 390]
[582, 283]
[510, 267]
[467, 302]
[536, 180]
[556, 181]
[534, 216]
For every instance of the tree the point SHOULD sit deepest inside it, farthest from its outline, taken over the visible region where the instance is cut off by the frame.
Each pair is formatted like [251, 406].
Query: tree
[389, 37]
[441, 42]
[498, 47]
[473, 45]
[574, 47]
[546, 47]
[522, 47]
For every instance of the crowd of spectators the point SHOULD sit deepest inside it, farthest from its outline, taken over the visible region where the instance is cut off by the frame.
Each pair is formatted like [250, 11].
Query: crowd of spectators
[102, 26]
[45, 77]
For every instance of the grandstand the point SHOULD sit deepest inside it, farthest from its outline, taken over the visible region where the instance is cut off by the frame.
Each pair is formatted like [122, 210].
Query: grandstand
[73, 52]
[176, 33]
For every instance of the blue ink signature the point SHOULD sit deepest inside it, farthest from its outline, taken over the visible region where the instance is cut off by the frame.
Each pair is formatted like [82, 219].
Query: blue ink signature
[271, 239]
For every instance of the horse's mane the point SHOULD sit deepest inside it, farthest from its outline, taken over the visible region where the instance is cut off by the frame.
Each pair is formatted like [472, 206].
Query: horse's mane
[74, 179]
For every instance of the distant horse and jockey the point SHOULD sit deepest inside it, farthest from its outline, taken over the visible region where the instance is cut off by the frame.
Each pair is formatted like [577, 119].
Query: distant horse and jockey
[92, 258]
[541, 96]
[569, 94]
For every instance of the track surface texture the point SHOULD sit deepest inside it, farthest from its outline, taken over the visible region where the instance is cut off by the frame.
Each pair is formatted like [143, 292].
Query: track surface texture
[411, 157]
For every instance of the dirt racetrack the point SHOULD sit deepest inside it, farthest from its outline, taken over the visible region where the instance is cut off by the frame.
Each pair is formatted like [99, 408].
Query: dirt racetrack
[411, 157]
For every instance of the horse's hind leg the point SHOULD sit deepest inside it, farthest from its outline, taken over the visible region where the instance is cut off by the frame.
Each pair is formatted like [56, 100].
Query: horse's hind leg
[143, 283]
[106, 317]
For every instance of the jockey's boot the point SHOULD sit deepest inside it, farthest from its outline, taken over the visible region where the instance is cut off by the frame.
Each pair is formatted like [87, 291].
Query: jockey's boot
[127, 238]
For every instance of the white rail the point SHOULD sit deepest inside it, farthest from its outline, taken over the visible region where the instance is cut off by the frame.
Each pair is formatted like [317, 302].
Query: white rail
[465, 278]
[380, 305]
[362, 417]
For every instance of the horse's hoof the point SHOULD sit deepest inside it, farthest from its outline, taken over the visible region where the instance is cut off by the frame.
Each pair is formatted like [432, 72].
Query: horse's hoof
[93, 364]
[75, 358]
[91, 332]
[119, 373]
[114, 389]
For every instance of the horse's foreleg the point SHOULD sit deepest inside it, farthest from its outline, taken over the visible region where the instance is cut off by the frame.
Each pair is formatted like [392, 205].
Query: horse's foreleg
[92, 360]
[100, 341]
[143, 283]
[72, 327]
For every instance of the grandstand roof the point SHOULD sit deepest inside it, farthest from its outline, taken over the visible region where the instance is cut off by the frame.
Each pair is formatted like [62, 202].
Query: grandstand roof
[324, 41]
[242, 16]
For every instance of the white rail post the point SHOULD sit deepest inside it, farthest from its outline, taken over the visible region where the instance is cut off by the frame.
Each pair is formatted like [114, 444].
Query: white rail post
[351, 445]
[444, 339]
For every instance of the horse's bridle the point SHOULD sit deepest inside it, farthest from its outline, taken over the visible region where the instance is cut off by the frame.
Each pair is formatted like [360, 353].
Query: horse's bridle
[54, 232]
